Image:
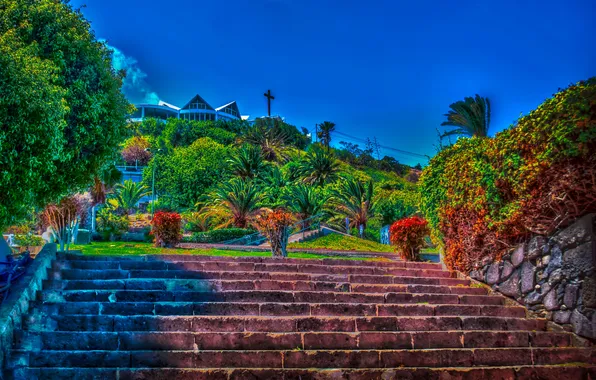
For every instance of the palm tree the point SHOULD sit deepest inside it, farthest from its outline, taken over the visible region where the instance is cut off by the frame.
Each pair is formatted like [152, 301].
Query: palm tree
[305, 201]
[355, 201]
[319, 168]
[238, 200]
[103, 182]
[129, 193]
[271, 141]
[324, 133]
[470, 116]
[248, 162]
[273, 182]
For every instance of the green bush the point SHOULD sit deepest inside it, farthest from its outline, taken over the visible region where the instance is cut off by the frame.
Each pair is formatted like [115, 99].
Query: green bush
[29, 240]
[218, 236]
[109, 225]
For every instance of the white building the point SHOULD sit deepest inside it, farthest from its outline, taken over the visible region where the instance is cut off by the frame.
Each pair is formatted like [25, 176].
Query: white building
[196, 109]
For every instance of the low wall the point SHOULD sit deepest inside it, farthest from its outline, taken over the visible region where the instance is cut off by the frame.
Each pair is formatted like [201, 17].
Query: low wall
[553, 277]
[17, 302]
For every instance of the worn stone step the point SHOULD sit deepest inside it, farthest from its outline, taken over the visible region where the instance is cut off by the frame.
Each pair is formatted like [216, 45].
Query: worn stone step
[115, 274]
[224, 285]
[130, 341]
[261, 296]
[42, 322]
[446, 357]
[215, 266]
[554, 372]
[275, 309]
[397, 263]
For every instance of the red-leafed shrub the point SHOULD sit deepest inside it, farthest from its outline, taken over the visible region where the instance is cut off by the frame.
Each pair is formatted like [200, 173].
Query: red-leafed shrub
[275, 226]
[135, 151]
[166, 227]
[407, 235]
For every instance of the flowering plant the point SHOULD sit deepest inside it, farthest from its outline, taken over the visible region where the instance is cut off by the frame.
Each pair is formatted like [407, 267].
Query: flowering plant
[274, 225]
[407, 235]
[166, 228]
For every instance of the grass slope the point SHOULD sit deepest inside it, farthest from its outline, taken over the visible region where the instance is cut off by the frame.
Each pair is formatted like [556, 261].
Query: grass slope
[127, 248]
[342, 242]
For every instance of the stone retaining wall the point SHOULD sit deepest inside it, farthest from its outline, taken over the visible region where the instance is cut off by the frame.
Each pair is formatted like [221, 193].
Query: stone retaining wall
[553, 277]
[17, 302]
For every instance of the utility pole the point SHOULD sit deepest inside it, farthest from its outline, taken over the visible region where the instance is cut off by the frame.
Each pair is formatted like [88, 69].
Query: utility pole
[377, 148]
[316, 132]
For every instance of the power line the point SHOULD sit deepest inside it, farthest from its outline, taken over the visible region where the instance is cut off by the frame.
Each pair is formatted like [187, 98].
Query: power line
[358, 139]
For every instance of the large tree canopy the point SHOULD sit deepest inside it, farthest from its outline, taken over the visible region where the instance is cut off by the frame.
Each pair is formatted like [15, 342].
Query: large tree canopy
[62, 114]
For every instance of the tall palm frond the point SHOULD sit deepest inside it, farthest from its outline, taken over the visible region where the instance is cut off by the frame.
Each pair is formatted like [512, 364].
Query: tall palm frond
[238, 200]
[247, 162]
[272, 141]
[103, 183]
[471, 117]
[354, 200]
[324, 133]
[305, 201]
[129, 193]
[319, 168]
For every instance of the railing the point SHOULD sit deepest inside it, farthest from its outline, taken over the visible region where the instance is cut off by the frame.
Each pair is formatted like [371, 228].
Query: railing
[302, 226]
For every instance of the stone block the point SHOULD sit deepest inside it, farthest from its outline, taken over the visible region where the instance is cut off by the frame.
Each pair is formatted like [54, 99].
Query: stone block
[511, 286]
[562, 317]
[535, 247]
[506, 271]
[527, 277]
[582, 325]
[493, 273]
[517, 257]
[579, 260]
[589, 291]
[570, 297]
[551, 300]
[579, 232]
[555, 261]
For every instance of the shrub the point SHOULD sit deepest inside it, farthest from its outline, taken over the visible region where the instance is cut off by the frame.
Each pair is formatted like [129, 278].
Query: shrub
[407, 235]
[483, 195]
[29, 240]
[274, 225]
[218, 236]
[166, 229]
[65, 216]
[135, 151]
[110, 225]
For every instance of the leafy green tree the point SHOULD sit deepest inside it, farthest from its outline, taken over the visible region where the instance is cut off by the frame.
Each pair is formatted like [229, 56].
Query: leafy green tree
[354, 200]
[180, 132]
[319, 168]
[470, 117]
[62, 114]
[237, 201]
[273, 184]
[186, 173]
[305, 201]
[324, 134]
[247, 162]
[395, 205]
[129, 193]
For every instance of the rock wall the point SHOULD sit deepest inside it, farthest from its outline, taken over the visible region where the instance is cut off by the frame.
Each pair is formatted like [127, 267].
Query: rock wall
[553, 277]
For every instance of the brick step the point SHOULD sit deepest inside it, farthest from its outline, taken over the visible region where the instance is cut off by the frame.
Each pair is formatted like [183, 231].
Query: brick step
[447, 357]
[42, 322]
[159, 341]
[114, 274]
[276, 309]
[261, 296]
[565, 371]
[397, 263]
[215, 266]
[225, 285]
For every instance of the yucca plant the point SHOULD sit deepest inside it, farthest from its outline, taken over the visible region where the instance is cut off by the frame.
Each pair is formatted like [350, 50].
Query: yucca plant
[248, 162]
[470, 116]
[354, 200]
[272, 141]
[129, 193]
[319, 168]
[237, 201]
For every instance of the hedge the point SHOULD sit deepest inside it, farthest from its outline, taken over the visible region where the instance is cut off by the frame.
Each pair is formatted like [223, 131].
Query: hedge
[482, 195]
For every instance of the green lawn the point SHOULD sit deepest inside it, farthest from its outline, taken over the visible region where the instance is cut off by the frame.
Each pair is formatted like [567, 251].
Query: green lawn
[345, 243]
[128, 248]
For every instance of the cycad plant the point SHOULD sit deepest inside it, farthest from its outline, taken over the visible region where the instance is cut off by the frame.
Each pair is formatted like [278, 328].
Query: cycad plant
[470, 116]
[354, 200]
[319, 168]
[247, 163]
[129, 193]
[272, 141]
[237, 201]
[305, 201]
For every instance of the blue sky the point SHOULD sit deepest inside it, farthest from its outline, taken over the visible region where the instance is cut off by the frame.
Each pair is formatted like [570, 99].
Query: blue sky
[388, 69]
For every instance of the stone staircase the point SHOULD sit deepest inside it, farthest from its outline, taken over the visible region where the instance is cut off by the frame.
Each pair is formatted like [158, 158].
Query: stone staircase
[197, 317]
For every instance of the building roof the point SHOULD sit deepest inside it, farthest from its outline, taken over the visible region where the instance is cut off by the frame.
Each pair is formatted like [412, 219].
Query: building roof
[162, 103]
[197, 99]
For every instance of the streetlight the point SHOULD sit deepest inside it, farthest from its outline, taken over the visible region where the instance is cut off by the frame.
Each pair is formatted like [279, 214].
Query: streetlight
[153, 183]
